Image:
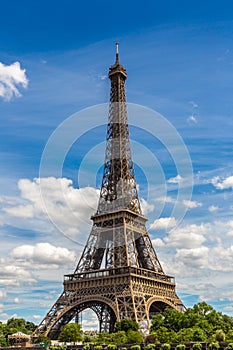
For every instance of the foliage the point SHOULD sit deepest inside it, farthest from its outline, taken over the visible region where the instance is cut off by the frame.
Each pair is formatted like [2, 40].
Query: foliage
[111, 338]
[214, 346]
[87, 339]
[86, 347]
[126, 325]
[119, 337]
[111, 347]
[197, 346]
[150, 347]
[19, 325]
[71, 332]
[135, 347]
[158, 321]
[230, 346]
[98, 347]
[180, 347]
[14, 325]
[3, 341]
[134, 337]
[42, 339]
[229, 336]
[220, 335]
[200, 323]
[165, 346]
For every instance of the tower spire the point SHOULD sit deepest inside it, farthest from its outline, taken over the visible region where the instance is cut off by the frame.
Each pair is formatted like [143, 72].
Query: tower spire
[117, 51]
[118, 190]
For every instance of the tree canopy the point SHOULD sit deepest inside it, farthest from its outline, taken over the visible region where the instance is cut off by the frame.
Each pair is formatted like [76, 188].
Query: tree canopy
[71, 332]
[200, 323]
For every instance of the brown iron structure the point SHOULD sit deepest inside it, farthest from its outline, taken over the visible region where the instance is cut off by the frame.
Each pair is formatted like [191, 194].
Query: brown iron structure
[119, 275]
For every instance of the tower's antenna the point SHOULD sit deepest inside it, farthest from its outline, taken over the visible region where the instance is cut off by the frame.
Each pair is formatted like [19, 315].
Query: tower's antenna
[117, 51]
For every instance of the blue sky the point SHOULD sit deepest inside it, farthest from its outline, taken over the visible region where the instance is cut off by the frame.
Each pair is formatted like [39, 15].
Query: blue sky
[179, 60]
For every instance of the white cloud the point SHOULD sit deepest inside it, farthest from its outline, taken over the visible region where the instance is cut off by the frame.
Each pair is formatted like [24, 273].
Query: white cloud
[191, 204]
[224, 227]
[157, 242]
[194, 104]
[193, 258]
[2, 294]
[188, 237]
[192, 119]
[11, 77]
[4, 317]
[175, 180]
[146, 207]
[44, 253]
[36, 317]
[17, 300]
[213, 208]
[165, 199]
[11, 275]
[222, 184]
[68, 208]
[163, 223]
[221, 258]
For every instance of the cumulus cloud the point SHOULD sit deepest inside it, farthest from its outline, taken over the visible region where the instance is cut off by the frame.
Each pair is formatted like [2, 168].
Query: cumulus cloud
[191, 204]
[11, 77]
[188, 237]
[69, 209]
[146, 207]
[222, 184]
[175, 180]
[163, 223]
[194, 258]
[11, 275]
[43, 253]
[158, 242]
[221, 258]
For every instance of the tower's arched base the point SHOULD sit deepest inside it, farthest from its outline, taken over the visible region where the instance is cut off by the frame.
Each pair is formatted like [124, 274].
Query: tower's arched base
[114, 295]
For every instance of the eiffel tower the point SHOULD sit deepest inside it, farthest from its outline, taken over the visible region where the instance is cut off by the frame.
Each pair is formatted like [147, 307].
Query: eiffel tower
[119, 275]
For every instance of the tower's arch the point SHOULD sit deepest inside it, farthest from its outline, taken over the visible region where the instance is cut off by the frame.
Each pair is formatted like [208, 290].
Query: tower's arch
[102, 308]
[158, 305]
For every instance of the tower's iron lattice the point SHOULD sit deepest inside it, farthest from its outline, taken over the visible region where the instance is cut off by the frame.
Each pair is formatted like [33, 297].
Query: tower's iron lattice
[119, 274]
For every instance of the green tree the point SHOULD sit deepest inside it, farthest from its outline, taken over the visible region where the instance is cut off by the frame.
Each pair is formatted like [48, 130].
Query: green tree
[42, 339]
[71, 332]
[163, 335]
[119, 337]
[14, 325]
[199, 334]
[126, 325]
[157, 322]
[134, 337]
[3, 341]
[173, 319]
[220, 335]
[229, 336]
